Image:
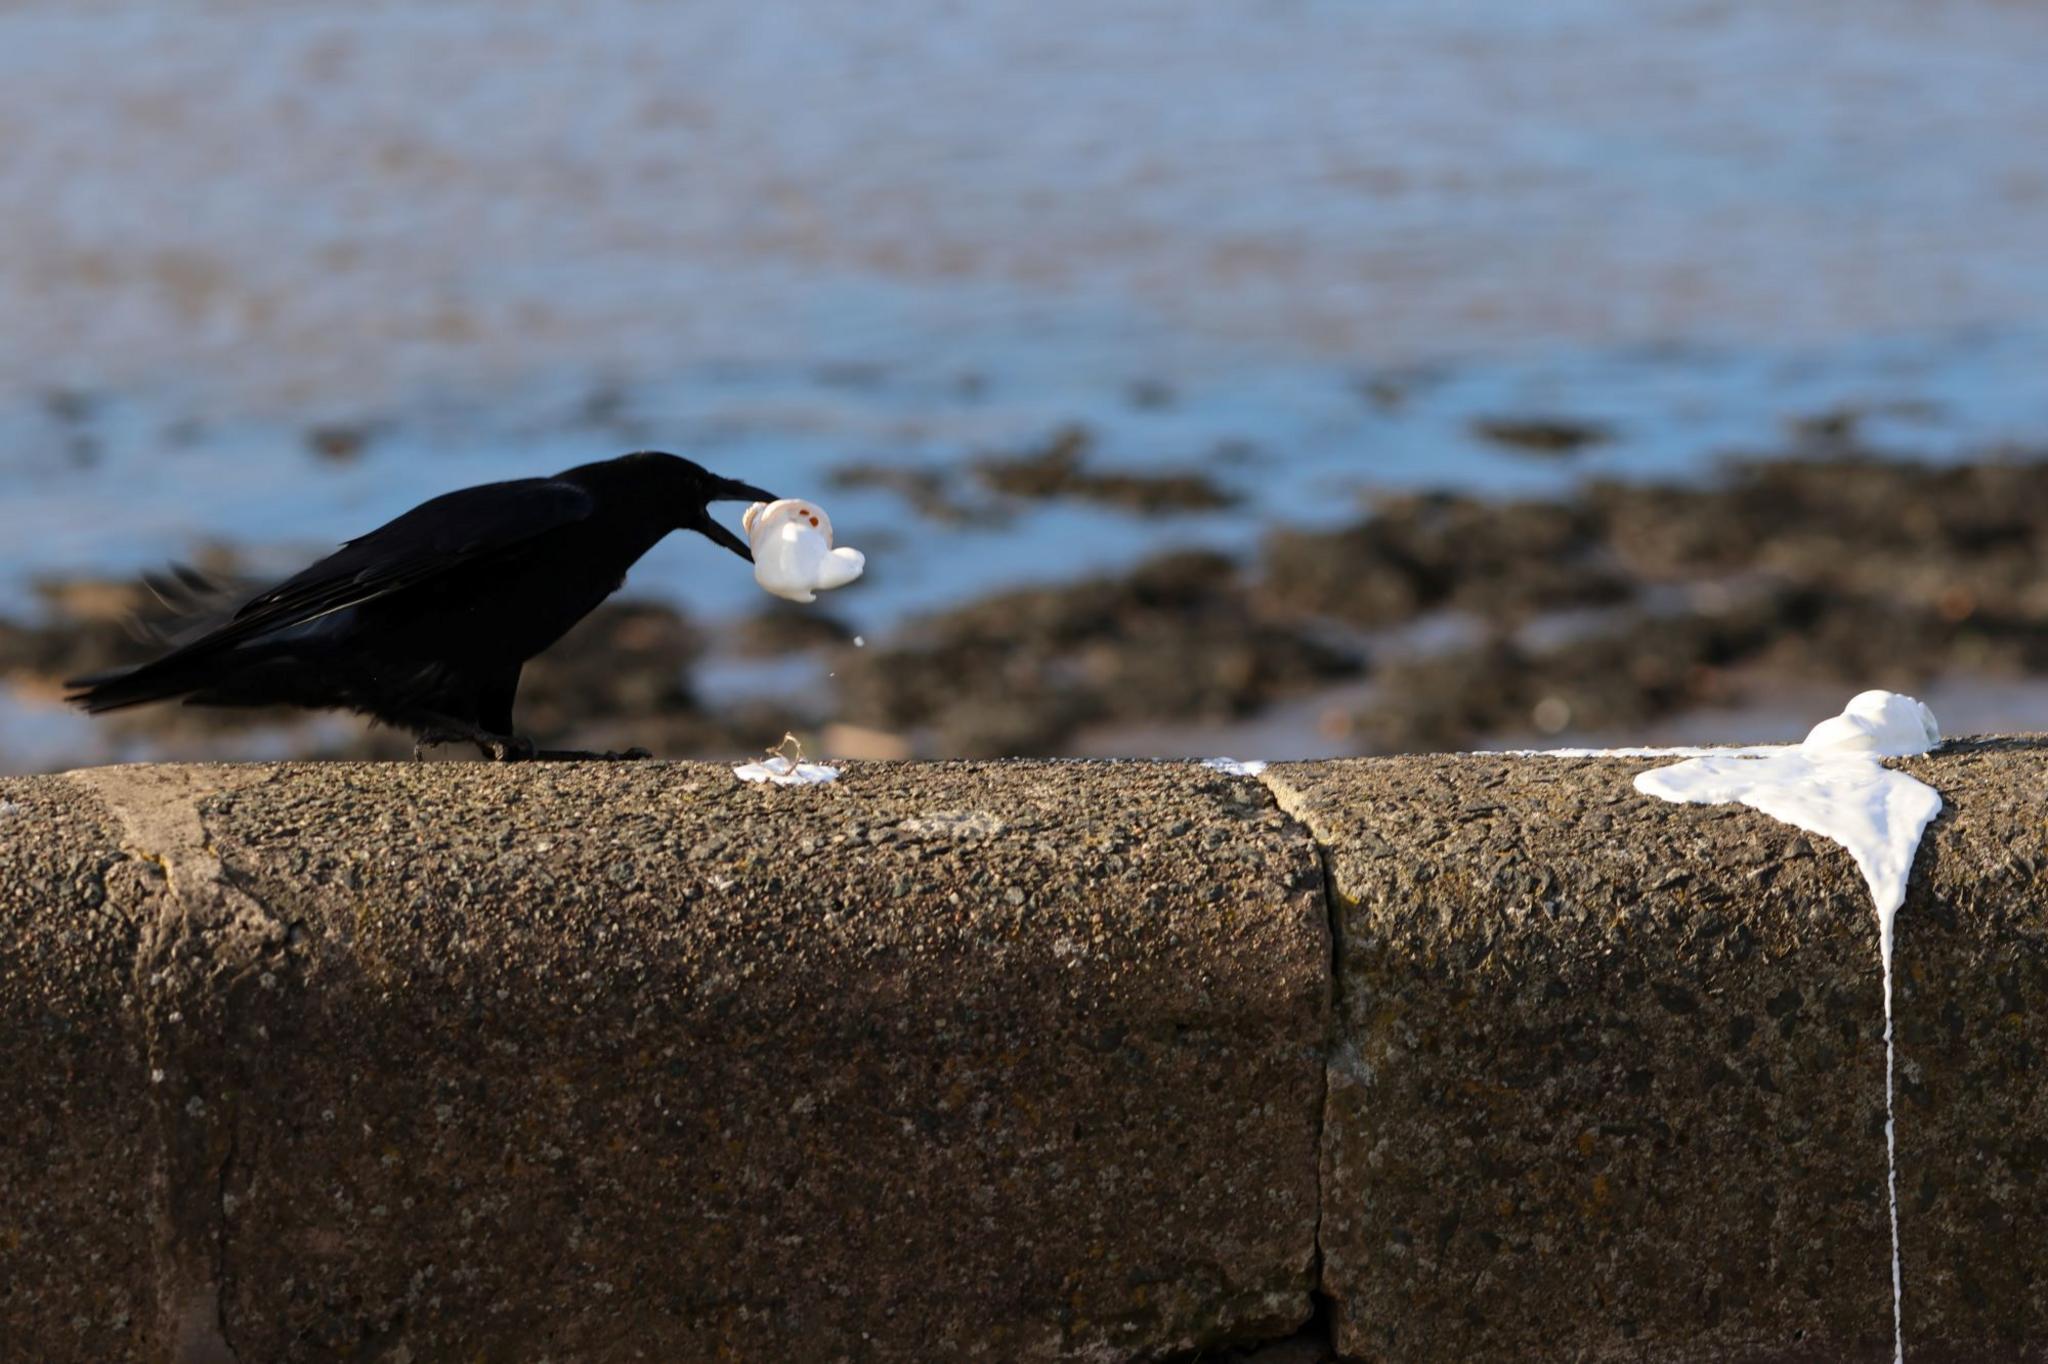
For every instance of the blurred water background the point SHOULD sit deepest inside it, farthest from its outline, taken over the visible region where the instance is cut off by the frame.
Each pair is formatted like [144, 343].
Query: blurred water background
[274, 272]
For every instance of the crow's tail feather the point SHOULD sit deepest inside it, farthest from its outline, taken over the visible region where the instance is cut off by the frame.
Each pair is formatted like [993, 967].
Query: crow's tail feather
[188, 607]
[167, 679]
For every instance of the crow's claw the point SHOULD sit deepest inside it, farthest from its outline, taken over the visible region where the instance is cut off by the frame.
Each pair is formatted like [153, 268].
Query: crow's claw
[512, 748]
[499, 748]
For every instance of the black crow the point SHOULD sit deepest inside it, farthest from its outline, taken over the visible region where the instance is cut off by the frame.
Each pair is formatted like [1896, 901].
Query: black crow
[425, 622]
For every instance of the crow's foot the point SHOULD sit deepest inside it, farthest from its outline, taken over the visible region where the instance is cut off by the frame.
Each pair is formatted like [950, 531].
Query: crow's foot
[507, 748]
[498, 748]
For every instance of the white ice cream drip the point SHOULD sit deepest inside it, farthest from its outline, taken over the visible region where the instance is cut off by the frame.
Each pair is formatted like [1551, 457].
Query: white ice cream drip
[1835, 784]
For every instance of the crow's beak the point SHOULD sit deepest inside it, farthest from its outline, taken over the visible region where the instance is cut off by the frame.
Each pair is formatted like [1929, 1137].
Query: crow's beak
[719, 535]
[732, 490]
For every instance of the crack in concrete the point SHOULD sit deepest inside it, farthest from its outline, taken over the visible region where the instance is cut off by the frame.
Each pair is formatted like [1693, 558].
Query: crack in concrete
[1287, 800]
[1317, 1330]
[206, 925]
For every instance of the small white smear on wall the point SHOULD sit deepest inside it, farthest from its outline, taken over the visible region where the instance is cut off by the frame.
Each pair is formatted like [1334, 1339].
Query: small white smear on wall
[1835, 784]
[786, 772]
[8, 809]
[1234, 767]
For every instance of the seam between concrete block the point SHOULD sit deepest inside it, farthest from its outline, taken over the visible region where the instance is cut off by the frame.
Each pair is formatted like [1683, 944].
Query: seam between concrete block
[1287, 801]
[158, 809]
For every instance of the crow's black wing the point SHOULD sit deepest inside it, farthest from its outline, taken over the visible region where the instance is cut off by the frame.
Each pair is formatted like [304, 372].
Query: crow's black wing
[452, 532]
[449, 532]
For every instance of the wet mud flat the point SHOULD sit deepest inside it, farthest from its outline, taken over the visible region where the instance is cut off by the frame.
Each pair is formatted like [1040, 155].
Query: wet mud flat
[1445, 621]
[1434, 621]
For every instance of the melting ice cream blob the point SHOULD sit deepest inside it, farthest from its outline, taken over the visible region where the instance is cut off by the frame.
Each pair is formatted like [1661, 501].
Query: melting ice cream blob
[1835, 784]
[793, 553]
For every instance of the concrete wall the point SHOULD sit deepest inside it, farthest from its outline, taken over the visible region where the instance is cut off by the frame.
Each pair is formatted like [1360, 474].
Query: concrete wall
[1016, 1061]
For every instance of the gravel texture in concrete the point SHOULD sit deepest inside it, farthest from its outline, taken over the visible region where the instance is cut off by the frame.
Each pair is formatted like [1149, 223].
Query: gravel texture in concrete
[1011, 1061]
[1608, 1079]
[1005, 1062]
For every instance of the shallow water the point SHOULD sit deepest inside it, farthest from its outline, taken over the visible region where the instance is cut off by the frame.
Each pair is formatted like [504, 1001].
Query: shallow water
[1300, 447]
[291, 205]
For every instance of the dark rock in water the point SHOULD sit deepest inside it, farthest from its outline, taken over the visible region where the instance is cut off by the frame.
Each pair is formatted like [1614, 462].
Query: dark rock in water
[930, 492]
[851, 374]
[1060, 469]
[786, 628]
[1639, 668]
[339, 442]
[1150, 395]
[1390, 389]
[1043, 472]
[71, 406]
[1051, 472]
[1385, 392]
[1181, 637]
[1555, 436]
[1881, 524]
[1643, 670]
[1429, 551]
[604, 405]
[1849, 570]
[1833, 428]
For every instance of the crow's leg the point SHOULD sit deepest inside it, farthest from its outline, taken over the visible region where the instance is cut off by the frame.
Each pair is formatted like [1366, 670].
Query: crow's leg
[433, 730]
[494, 701]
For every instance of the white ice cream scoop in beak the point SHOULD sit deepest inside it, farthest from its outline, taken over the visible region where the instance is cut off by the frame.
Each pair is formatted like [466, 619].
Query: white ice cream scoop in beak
[793, 553]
